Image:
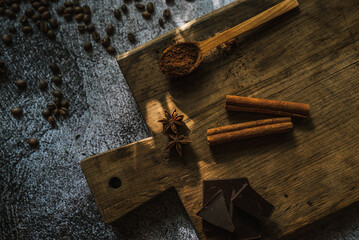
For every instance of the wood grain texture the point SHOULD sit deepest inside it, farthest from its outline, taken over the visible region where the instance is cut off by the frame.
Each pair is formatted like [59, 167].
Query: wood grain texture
[308, 55]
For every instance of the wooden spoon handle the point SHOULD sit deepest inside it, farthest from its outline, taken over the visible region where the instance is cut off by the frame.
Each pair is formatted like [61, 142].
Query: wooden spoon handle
[251, 23]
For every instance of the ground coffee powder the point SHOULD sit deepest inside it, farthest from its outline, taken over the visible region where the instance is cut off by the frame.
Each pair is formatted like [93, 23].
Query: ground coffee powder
[179, 60]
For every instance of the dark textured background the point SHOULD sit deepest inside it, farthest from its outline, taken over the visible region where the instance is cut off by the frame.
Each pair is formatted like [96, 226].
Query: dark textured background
[44, 194]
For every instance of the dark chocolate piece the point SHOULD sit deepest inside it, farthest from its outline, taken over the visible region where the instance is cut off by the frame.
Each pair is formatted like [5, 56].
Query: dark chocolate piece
[215, 212]
[252, 203]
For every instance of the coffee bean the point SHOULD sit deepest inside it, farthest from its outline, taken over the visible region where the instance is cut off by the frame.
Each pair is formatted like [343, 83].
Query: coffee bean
[131, 37]
[86, 9]
[146, 15]
[69, 10]
[51, 120]
[45, 15]
[27, 29]
[57, 93]
[44, 2]
[117, 13]
[36, 17]
[51, 34]
[38, 23]
[150, 7]
[57, 80]
[12, 28]
[41, 9]
[15, 7]
[53, 23]
[68, 4]
[110, 29]
[60, 10]
[96, 36]
[51, 107]
[106, 41]
[88, 46]
[54, 68]
[10, 14]
[87, 19]
[166, 13]
[45, 113]
[78, 9]
[57, 102]
[63, 111]
[23, 20]
[140, 6]
[160, 22]
[36, 5]
[64, 103]
[29, 12]
[43, 27]
[33, 143]
[90, 28]
[56, 112]
[16, 112]
[21, 84]
[124, 9]
[111, 50]
[6, 39]
[75, 3]
[79, 17]
[81, 28]
[68, 17]
[43, 85]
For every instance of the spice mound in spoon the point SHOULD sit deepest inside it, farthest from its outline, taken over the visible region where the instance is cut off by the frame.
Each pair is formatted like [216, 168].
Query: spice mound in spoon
[179, 59]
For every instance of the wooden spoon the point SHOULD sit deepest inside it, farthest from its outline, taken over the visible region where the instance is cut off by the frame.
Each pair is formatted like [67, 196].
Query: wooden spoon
[198, 50]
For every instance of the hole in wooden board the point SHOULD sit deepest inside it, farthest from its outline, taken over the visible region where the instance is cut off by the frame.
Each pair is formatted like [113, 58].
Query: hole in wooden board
[115, 182]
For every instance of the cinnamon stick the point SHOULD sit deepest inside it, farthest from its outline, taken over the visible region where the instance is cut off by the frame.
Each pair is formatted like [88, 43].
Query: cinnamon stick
[283, 108]
[248, 130]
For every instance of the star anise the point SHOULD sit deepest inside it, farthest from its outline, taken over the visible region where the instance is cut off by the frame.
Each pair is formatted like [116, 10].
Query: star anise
[177, 141]
[171, 121]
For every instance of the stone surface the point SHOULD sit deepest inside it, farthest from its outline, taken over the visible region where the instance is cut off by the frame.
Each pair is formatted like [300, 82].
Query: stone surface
[43, 193]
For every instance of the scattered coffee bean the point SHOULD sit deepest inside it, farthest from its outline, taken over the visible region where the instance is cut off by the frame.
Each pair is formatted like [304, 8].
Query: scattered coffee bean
[60, 10]
[33, 142]
[6, 39]
[36, 17]
[117, 13]
[96, 36]
[21, 84]
[69, 10]
[63, 111]
[16, 112]
[43, 85]
[23, 20]
[10, 13]
[111, 50]
[79, 17]
[68, 4]
[150, 7]
[56, 112]
[53, 23]
[64, 103]
[29, 12]
[140, 6]
[146, 15]
[88, 46]
[57, 80]
[15, 7]
[54, 68]
[68, 17]
[51, 120]
[45, 15]
[160, 22]
[75, 3]
[81, 28]
[166, 13]
[12, 29]
[57, 102]
[36, 5]
[50, 34]
[86, 9]
[38, 23]
[90, 28]
[110, 29]
[57, 93]
[51, 107]
[27, 29]
[41, 9]
[44, 2]
[87, 19]
[131, 37]
[124, 9]
[43, 27]
[46, 113]
[106, 41]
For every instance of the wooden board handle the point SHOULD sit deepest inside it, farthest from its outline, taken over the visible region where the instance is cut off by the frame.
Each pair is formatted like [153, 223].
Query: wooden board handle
[251, 23]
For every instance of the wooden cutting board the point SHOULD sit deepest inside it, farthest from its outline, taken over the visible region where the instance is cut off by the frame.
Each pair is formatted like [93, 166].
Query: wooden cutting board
[308, 55]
